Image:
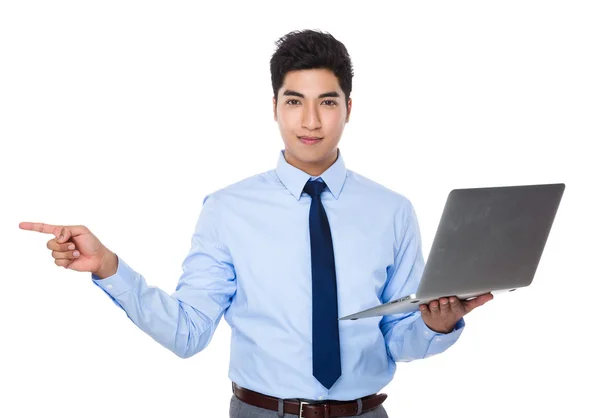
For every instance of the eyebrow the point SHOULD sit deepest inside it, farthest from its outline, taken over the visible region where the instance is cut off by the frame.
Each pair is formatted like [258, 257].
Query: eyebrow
[295, 93]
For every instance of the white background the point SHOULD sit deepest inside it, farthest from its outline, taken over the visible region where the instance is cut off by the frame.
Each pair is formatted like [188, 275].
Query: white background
[123, 115]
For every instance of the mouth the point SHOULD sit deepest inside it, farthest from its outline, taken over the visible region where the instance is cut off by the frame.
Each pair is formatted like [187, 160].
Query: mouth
[309, 140]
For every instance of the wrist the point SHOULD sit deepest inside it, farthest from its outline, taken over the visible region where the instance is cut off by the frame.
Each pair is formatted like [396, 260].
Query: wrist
[444, 331]
[108, 265]
[440, 329]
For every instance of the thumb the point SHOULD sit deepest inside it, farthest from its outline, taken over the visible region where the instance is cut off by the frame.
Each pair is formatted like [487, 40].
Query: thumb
[478, 301]
[66, 232]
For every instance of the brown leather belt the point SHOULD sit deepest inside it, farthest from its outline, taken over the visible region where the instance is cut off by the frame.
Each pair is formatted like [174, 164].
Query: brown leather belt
[325, 409]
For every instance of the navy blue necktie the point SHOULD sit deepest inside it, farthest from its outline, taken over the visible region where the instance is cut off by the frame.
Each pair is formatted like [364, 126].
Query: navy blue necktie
[326, 338]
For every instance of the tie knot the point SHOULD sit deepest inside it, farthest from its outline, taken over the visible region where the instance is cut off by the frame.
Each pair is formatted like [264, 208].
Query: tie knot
[314, 188]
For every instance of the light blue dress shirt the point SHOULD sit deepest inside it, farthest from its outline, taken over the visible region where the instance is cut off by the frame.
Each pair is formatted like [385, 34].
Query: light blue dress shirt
[250, 261]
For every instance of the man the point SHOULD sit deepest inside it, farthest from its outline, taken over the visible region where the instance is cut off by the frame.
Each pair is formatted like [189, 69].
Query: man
[283, 254]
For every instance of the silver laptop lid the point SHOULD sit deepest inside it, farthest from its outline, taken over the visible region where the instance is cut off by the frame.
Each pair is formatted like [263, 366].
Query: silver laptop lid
[490, 238]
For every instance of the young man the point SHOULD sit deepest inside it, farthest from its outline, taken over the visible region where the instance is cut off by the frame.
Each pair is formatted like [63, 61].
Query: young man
[283, 254]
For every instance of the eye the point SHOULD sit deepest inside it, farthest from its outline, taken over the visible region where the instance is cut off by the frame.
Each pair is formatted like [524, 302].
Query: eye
[331, 102]
[291, 100]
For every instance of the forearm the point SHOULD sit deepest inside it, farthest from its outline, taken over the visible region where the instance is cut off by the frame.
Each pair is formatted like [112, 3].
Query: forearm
[410, 339]
[174, 324]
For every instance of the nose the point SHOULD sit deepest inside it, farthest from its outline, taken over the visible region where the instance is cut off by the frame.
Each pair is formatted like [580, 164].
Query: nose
[310, 117]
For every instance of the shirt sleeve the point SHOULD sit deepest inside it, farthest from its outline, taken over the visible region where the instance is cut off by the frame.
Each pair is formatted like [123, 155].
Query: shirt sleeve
[184, 321]
[406, 335]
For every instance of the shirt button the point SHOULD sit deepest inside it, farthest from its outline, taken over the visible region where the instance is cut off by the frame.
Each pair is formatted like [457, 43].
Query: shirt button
[438, 339]
[426, 332]
[109, 286]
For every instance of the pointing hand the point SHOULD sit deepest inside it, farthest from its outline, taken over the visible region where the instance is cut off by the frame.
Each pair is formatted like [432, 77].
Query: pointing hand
[75, 247]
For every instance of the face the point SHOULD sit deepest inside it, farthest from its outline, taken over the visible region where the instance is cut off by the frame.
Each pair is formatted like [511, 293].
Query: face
[311, 104]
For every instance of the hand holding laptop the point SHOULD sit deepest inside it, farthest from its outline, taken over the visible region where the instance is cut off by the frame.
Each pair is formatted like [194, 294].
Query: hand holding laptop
[489, 240]
[441, 316]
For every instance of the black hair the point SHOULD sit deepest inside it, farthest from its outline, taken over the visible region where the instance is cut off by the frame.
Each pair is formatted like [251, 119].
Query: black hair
[311, 49]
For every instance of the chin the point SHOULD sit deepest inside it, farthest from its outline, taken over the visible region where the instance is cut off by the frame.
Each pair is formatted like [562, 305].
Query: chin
[311, 155]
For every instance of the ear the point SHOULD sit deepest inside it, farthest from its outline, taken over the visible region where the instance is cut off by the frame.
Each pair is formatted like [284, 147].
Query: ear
[349, 110]
[274, 109]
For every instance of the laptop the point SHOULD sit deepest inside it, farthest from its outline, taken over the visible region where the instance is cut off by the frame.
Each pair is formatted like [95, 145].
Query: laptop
[489, 240]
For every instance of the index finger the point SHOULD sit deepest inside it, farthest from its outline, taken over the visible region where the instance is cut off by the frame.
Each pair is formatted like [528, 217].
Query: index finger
[40, 227]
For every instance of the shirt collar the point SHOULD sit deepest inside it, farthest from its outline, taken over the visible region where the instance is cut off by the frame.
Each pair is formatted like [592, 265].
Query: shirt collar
[295, 179]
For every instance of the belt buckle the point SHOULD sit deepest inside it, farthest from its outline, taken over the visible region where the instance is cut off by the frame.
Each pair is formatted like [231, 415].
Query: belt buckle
[301, 408]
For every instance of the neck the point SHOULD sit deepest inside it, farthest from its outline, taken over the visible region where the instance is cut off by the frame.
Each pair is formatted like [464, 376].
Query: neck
[313, 169]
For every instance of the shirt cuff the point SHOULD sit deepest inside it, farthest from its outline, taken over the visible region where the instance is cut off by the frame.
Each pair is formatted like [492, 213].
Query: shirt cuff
[122, 281]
